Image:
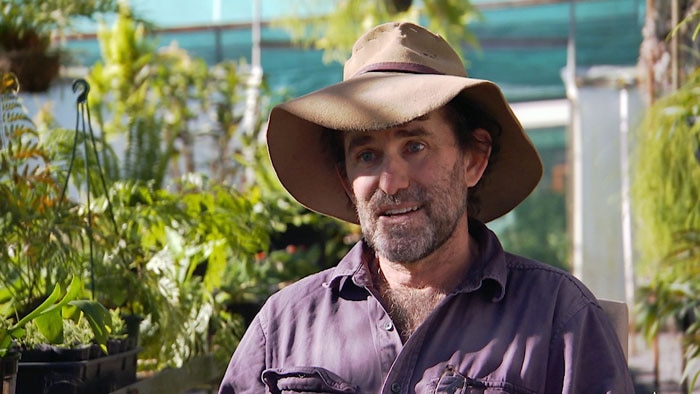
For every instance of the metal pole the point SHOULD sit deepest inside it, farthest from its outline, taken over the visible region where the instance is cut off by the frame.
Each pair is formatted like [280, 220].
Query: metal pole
[255, 77]
[575, 149]
[248, 123]
[255, 52]
[626, 216]
[216, 18]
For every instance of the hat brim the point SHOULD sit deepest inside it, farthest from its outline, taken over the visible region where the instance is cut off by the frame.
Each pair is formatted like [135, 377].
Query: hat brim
[377, 101]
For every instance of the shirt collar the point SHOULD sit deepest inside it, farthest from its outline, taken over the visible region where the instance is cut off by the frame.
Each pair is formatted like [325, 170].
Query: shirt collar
[489, 270]
[354, 267]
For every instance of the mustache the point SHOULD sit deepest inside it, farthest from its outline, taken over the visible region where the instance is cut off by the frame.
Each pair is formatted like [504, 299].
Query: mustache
[379, 199]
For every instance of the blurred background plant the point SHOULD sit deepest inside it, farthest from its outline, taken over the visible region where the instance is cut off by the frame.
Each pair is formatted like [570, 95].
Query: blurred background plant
[38, 231]
[195, 282]
[666, 198]
[34, 22]
[28, 28]
[196, 259]
[334, 26]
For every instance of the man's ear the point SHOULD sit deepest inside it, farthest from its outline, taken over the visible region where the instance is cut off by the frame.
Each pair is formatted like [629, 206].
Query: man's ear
[343, 177]
[477, 157]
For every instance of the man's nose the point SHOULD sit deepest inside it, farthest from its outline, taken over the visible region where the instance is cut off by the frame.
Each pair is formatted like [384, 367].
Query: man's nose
[393, 176]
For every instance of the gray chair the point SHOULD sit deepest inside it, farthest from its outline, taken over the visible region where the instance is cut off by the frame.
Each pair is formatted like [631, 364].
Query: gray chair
[618, 313]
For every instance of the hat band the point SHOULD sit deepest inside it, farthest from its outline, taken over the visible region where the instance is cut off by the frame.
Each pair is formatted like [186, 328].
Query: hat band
[397, 67]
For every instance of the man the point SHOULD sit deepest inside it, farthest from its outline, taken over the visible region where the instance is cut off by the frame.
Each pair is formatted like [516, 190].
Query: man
[420, 156]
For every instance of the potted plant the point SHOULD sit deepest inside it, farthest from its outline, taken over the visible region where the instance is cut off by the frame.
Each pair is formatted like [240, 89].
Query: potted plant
[43, 238]
[48, 317]
[28, 29]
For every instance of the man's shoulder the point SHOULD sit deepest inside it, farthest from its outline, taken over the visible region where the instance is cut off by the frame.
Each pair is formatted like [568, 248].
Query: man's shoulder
[308, 292]
[536, 276]
[516, 262]
[309, 286]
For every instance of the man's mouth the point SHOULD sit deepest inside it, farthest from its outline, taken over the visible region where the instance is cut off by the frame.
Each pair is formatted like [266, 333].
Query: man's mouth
[399, 211]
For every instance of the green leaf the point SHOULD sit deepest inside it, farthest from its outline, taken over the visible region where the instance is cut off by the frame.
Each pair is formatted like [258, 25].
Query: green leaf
[43, 307]
[6, 309]
[72, 293]
[99, 318]
[5, 295]
[71, 312]
[50, 325]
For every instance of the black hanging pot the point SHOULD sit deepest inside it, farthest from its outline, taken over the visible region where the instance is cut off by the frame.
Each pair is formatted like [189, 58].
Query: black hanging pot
[396, 6]
[35, 69]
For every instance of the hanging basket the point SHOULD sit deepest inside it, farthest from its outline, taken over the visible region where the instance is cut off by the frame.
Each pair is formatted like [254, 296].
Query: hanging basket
[35, 69]
[396, 6]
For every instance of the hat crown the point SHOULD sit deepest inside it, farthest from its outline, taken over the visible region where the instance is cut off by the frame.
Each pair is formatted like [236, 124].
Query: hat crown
[403, 47]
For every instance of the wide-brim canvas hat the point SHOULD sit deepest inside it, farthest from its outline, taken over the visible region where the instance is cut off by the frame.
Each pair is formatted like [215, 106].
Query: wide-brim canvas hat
[397, 72]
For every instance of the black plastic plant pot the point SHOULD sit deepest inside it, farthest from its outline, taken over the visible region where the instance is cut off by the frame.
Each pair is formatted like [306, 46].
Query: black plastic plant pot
[97, 376]
[47, 353]
[8, 371]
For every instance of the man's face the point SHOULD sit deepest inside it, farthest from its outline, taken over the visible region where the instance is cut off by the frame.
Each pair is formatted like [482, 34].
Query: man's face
[409, 184]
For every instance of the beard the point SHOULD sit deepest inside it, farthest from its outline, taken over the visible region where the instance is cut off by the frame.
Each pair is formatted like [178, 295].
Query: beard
[441, 210]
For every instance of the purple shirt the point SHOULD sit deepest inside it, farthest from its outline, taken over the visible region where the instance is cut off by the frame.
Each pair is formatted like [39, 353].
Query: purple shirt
[513, 326]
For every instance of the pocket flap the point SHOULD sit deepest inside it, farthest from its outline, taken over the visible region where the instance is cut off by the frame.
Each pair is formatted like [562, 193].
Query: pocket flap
[306, 380]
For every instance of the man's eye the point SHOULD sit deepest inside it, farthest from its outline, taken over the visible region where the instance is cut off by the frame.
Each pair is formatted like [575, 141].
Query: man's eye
[414, 147]
[365, 156]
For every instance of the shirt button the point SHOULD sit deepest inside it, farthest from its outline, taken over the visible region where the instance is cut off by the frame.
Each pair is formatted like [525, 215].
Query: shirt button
[395, 387]
[388, 325]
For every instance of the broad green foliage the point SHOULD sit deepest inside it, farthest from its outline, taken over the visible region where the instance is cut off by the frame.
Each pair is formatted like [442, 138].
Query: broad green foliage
[168, 258]
[49, 315]
[335, 28]
[193, 257]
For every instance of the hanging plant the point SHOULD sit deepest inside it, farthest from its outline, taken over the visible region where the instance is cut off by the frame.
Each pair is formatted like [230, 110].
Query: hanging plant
[334, 26]
[665, 191]
[28, 29]
[397, 6]
[666, 201]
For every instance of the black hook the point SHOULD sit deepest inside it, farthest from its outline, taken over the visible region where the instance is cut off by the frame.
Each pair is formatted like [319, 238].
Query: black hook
[82, 87]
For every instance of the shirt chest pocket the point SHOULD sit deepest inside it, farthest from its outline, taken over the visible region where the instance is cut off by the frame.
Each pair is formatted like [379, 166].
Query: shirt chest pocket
[452, 382]
[305, 380]
[473, 387]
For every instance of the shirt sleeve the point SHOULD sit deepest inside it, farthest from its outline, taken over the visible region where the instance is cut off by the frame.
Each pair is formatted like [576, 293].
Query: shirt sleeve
[244, 371]
[587, 356]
